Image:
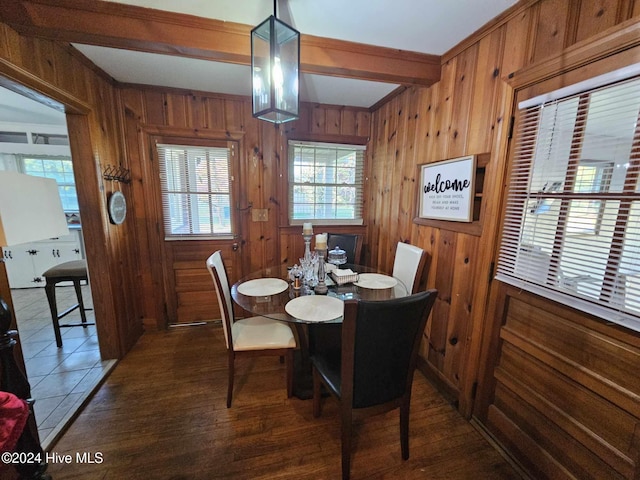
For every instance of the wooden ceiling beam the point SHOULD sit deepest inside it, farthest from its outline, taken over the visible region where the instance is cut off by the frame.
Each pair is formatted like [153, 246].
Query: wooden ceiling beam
[135, 28]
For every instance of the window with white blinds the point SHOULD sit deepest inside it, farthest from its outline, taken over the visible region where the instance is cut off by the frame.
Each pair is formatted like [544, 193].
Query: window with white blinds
[572, 223]
[58, 168]
[196, 190]
[326, 182]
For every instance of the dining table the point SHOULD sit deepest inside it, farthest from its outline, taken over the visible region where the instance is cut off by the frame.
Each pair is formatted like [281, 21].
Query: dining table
[316, 319]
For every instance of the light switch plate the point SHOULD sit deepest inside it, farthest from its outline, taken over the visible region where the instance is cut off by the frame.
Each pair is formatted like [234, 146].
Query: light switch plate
[260, 215]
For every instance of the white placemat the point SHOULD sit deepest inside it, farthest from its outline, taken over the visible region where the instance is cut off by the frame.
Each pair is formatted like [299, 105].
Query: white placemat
[375, 281]
[315, 308]
[261, 287]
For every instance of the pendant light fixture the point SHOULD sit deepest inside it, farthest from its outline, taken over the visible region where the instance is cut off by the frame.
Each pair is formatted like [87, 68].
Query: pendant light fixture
[275, 70]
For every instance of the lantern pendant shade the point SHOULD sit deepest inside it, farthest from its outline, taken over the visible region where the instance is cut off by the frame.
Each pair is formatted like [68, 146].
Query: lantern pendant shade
[275, 71]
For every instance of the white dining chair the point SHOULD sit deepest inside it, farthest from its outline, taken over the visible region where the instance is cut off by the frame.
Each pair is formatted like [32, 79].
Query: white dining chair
[409, 265]
[254, 336]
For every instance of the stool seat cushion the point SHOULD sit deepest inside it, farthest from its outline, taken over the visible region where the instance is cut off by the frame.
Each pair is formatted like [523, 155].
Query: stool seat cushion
[74, 268]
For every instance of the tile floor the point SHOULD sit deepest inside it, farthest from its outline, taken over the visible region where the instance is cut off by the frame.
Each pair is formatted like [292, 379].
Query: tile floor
[63, 378]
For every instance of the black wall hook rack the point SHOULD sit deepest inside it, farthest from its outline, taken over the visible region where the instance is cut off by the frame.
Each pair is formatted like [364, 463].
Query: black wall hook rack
[116, 174]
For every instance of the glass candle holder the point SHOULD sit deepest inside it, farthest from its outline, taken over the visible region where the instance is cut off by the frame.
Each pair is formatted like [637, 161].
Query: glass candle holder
[307, 245]
[321, 287]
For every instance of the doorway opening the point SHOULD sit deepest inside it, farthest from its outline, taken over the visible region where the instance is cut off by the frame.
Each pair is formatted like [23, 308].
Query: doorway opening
[34, 141]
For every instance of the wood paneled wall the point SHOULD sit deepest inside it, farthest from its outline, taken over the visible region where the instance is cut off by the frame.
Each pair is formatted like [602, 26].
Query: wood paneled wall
[559, 387]
[468, 112]
[566, 391]
[48, 71]
[260, 167]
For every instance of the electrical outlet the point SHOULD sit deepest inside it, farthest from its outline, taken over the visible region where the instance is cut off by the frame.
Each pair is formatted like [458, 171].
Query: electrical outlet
[260, 215]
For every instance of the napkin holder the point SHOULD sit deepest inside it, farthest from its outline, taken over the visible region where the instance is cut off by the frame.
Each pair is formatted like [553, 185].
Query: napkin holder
[343, 276]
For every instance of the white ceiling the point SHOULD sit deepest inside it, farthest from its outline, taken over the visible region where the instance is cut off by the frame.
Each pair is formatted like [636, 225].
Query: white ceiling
[16, 109]
[189, 73]
[425, 26]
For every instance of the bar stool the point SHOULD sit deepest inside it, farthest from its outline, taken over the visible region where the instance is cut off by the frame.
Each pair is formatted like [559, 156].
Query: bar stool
[74, 271]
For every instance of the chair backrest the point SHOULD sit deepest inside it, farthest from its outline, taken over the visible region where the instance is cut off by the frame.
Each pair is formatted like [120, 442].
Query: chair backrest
[215, 265]
[380, 342]
[350, 243]
[409, 264]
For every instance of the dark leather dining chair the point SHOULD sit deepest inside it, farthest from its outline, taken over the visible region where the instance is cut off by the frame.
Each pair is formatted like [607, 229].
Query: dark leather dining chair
[350, 243]
[373, 370]
[254, 336]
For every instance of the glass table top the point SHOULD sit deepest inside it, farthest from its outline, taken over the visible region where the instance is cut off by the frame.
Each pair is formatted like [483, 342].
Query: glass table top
[265, 293]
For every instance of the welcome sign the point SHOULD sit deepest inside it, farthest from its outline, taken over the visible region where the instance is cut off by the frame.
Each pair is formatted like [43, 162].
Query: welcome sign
[447, 189]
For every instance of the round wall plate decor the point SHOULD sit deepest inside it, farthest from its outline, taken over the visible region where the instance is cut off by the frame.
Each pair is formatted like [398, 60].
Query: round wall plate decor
[117, 208]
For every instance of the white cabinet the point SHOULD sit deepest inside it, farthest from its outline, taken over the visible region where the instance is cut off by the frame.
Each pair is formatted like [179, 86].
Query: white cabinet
[27, 262]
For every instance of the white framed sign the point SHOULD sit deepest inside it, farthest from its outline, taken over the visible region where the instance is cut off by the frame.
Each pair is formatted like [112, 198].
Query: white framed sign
[447, 189]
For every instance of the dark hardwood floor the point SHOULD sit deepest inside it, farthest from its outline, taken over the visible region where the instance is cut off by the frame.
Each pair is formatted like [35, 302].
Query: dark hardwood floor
[161, 414]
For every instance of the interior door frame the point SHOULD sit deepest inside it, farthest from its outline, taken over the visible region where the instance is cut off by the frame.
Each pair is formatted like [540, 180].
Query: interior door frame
[77, 112]
[90, 199]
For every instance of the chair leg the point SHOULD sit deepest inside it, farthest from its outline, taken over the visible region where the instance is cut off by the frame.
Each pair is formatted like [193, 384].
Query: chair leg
[404, 428]
[289, 365]
[230, 379]
[317, 393]
[50, 290]
[83, 316]
[347, 423]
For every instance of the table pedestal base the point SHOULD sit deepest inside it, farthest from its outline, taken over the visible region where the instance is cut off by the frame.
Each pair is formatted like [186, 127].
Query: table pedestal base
[302, 377]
